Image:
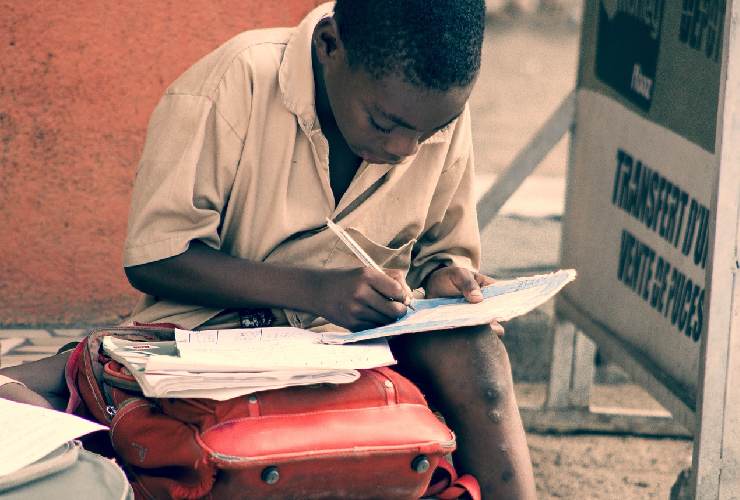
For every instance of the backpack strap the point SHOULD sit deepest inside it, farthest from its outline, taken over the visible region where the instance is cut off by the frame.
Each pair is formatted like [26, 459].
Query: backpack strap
[70, 376]
[84, 365]
[341, 215]
[446, 485]
[465, 484]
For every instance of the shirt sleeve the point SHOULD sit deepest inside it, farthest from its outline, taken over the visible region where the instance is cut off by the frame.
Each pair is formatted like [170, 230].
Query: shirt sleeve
[451, 237]
[184, 178]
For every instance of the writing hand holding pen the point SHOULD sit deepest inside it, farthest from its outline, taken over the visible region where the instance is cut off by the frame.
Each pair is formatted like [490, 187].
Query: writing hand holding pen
[363, 257]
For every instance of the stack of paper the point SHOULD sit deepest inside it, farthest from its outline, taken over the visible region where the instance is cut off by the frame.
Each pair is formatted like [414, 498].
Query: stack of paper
[223, 364]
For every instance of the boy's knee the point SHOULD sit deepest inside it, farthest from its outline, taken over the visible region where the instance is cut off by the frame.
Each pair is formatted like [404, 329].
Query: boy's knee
[492, 371]
[486, 378]
[463, 354]
[487, 349]
[456, 349]
[483, 361]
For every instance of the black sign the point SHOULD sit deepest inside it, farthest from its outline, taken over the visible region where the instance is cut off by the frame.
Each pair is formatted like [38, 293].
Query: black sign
[701, 26]
[627, 45]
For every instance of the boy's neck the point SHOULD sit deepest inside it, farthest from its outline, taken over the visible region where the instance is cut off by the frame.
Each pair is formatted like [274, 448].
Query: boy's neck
[343, 163]
[321, 99]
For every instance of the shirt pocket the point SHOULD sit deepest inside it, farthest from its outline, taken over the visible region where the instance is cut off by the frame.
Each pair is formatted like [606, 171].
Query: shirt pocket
[387, 257]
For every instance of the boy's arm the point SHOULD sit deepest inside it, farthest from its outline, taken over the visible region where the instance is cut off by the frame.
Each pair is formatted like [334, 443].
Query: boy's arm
[191, 157]
[21, 394]
[353, 298]
[449, 251]
[39, 383]
[453, 281]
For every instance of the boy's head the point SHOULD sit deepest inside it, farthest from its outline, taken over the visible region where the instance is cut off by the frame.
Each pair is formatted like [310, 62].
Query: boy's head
[434, 44]
[396, 71]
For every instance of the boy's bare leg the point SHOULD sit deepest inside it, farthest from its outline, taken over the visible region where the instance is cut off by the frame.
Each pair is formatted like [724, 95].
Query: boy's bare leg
[44, 377]
[465, 374]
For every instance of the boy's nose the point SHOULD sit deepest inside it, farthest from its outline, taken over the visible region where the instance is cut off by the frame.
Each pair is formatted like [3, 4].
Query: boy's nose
[401, 145]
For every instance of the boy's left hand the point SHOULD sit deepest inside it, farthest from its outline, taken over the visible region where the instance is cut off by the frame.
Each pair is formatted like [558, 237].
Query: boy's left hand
[22, 394]
[453, 281]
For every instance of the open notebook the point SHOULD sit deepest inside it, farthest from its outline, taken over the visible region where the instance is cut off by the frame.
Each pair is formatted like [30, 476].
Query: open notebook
[504, 300]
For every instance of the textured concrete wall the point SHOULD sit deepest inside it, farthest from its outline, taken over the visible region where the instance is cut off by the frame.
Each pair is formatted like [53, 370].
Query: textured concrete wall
[78, 81]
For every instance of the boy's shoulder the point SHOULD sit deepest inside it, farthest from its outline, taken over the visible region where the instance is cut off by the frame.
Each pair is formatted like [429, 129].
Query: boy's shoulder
[250, 54]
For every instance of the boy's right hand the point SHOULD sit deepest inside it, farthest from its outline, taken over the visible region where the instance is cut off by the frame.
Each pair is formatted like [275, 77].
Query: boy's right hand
[361, 298]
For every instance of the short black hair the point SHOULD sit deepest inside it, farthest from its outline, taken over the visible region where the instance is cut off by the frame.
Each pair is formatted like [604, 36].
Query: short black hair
[434, 44]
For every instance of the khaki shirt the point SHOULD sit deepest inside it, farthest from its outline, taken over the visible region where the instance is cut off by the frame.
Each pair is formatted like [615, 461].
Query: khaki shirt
[235, 157]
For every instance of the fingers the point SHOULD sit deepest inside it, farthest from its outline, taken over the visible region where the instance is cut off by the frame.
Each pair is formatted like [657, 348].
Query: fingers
[468, 286]
[366, 309]
[400, 277]
[390, 284]
[484, 280]
[453, 281]
[497, 328]
[359, 298]
[367, 318]
[390, 310]
[471, 286]
[380, 300]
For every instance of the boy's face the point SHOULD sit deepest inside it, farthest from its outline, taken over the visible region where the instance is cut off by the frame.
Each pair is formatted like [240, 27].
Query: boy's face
[384, 121]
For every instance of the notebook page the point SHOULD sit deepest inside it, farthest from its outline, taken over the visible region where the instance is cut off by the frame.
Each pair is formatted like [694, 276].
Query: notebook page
[28, 433]
[503, 300]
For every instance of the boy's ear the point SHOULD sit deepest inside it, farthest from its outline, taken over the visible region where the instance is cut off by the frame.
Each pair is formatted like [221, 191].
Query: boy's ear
[329, 47]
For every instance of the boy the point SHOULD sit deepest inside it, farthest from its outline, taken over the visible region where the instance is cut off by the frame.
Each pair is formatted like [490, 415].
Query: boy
[359, 114]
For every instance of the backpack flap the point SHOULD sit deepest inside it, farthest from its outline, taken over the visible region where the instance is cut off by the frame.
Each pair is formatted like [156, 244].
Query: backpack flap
[385, 452]
[374, 438]
[334, 433]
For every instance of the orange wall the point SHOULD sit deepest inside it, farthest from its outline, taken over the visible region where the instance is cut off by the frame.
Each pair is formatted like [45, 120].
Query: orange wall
[78, 81]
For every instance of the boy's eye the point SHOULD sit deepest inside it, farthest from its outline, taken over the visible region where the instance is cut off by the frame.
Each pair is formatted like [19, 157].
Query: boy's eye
[377, 127]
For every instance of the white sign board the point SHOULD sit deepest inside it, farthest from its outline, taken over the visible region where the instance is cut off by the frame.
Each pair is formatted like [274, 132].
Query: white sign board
[636, 230]
[651, 218]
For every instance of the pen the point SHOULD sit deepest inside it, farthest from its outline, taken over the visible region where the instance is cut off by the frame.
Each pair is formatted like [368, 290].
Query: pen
[361, 254]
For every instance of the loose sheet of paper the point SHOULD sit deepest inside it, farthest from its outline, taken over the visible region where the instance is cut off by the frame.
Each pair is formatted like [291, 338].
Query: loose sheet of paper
[503, 300]
[28, 433]
[243, 338]
[276, 348]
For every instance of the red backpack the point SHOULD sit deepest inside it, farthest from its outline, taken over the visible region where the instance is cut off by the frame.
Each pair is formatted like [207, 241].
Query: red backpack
[373, 438]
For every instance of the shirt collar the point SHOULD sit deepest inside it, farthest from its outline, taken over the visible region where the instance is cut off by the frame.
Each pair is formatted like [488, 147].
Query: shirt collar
[296, 75]
[443, 135]
[296, 71]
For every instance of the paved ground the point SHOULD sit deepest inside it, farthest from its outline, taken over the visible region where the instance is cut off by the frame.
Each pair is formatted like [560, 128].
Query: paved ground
[24, 345]
[529, 66]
